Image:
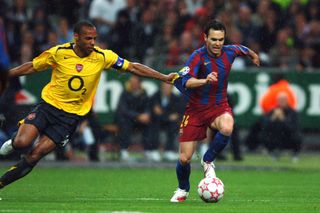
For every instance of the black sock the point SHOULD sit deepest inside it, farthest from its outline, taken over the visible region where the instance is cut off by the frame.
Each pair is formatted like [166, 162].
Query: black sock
[16, 172]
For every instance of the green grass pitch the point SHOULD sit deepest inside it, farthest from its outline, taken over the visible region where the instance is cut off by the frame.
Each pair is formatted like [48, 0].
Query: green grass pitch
[277, 188]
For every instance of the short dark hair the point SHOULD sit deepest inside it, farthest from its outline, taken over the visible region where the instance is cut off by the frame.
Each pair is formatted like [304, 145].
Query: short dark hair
[83, 23]
[215, 25]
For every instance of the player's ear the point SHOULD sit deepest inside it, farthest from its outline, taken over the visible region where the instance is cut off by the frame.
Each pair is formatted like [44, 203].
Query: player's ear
[205, 37]
[76, 37]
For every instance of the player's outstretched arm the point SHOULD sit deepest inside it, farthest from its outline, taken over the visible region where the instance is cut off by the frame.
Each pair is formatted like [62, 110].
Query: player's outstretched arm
[145, 71]
[195, 82]
[254, 57]
[24, 69]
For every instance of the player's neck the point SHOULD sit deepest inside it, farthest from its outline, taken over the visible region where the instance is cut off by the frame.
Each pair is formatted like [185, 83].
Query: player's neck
[78, 51]
[214, 55]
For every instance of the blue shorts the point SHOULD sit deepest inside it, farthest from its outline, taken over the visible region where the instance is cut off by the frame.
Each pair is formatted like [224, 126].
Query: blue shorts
[55, 123]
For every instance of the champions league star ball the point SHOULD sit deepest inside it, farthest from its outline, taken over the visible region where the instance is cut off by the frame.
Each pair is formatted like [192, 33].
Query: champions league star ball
[211, 190]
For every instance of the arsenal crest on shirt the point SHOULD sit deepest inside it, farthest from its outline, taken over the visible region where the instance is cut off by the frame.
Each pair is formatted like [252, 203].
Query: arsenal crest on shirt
[31, 116]
[79, 67]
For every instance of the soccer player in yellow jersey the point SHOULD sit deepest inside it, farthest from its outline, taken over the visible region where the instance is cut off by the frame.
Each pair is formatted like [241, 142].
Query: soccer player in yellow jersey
[76, 70]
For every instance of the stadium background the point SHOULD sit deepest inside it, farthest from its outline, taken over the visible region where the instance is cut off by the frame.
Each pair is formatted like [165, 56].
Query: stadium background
[163, 33]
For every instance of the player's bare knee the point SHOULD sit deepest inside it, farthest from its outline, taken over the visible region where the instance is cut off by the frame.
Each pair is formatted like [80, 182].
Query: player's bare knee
[184, 159]
[226, 130]
[21, 142]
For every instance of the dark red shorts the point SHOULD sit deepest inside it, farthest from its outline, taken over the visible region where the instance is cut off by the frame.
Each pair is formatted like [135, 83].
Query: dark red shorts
[197, 119]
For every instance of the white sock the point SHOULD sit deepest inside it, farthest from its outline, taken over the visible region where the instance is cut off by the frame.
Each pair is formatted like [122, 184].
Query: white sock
[6, 148]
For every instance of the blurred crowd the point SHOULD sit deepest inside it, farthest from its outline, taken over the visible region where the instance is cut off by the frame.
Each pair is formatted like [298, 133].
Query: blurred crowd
[163, 33]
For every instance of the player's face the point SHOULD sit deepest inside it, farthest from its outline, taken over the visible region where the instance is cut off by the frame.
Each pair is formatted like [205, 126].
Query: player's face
[86, 39]
[214, 41]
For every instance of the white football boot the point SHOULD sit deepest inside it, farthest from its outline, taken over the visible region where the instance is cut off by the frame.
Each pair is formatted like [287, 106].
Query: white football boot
[208, 168]
[6, 148]
[180, 195]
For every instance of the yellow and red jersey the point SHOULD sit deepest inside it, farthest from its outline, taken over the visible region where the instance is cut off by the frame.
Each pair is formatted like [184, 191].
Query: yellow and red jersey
[74, 80]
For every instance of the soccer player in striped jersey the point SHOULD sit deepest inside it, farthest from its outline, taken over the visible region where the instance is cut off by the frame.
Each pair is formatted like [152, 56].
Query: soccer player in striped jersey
[203, 82]
[67, 98]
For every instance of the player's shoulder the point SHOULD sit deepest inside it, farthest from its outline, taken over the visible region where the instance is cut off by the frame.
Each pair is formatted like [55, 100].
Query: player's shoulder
[234, 47]
[200, 50]
[104, 52]
[64, 46]
[61, 47]
[230, 47]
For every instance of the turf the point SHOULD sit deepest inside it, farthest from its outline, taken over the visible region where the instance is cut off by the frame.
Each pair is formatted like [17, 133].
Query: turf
[279, 187]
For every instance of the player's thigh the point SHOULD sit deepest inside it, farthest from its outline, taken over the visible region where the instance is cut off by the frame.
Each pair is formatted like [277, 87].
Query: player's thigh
[25, 136]
[44, 146]
[186, 150]
[223, 123]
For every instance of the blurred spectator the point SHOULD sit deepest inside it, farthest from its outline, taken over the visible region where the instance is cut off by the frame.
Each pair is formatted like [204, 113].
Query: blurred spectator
[193, 5]
[144, 35]
[3, 8]
[313, 10]
[133, 114]
[300, 29]
[52, 40]
[245, 24]
[166, 111]
[64, 31]
[283, 54]
[4, 56]
[235, 37]
[121, 35]
[281, 128]
[269, 26]
[104, 14]
[27, 50]
[132, 10]
[226, 17]
[307, 59]
[180, 50]
[40, 36]
[16, 21]
[162, 44]
[268, 102]
[40, 16]
[198, 20]
[312, 40]
[183, 16]
[72, 10]
[18, 12]
[279, 84]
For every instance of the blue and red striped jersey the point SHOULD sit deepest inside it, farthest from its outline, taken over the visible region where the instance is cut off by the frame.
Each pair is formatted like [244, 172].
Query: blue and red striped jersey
[201, 64]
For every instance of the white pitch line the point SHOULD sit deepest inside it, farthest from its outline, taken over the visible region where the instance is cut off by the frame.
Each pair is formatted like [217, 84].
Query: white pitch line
[124, 199]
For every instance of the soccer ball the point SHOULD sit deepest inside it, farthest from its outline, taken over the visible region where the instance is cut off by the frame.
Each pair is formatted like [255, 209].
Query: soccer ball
[211, 190]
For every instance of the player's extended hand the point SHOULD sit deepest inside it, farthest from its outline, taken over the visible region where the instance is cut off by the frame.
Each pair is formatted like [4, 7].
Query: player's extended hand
[256, 61]
[212, 77]
[171, 77]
